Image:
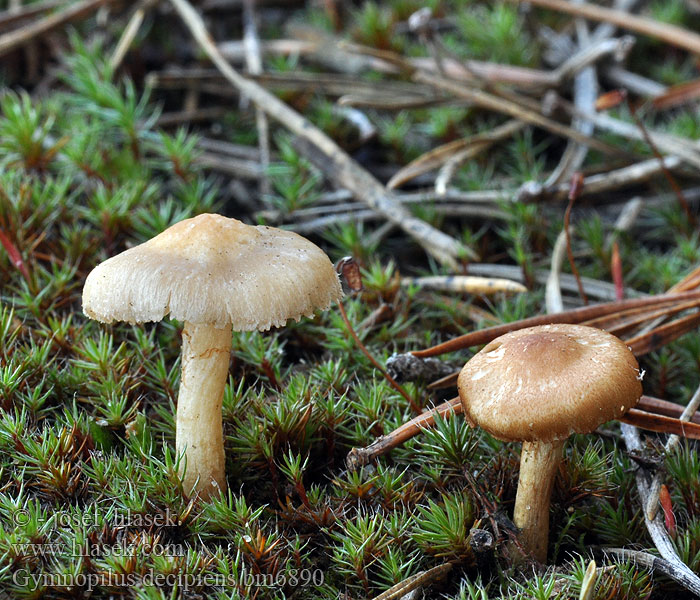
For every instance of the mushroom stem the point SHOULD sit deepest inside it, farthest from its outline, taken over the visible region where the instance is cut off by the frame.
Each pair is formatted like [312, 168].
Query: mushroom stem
[539, 462]
[205, 360]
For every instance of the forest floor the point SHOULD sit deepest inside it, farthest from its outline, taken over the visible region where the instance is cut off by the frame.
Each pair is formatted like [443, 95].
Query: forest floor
[426, 140]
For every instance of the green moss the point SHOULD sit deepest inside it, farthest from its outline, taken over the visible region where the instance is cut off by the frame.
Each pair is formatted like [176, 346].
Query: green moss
[89, 490]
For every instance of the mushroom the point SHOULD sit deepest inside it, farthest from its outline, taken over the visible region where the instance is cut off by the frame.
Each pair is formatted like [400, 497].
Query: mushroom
[539, 385]
[216, 274]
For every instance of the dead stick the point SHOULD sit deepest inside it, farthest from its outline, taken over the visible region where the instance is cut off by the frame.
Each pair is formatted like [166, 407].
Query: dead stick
[129, 34]
[253, 59]
[671, 144]
[553, 299]
[690, 281]
[21, 36]
[617, 178]
[641, 344]
[363, 456]
[444, 382]
[508, 107]
[338, 164]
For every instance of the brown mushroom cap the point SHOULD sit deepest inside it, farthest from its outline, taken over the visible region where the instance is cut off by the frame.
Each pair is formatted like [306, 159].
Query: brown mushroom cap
[214, 270]
[545, 383]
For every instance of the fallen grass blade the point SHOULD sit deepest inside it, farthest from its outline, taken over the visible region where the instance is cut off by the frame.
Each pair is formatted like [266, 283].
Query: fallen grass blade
[678, 95]
[661, 424]
[689, 282]
[435, 158]
[664, 334]
[664, 407]
[684, 576]
[618, 324]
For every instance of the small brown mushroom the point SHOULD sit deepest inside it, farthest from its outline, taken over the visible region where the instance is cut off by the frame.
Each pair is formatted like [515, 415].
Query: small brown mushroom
[217, 275]
[539, 385]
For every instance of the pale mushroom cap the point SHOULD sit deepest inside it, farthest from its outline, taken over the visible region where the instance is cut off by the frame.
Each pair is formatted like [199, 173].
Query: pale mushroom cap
[214, 270]
[547, 382]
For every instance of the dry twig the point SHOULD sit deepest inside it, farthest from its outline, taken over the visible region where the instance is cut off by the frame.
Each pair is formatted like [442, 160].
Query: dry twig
[585, 92]
[677, 569]
[672, 569]
[400, 590]
[72, 11]
[670, 144]
[594, 287]
[16, 14]
[253, 60]
[508, 107]
[675, 36]
[336, 164]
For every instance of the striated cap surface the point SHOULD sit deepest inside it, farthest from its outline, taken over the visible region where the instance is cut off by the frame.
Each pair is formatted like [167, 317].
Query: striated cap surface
[547, 382]
[215, 270]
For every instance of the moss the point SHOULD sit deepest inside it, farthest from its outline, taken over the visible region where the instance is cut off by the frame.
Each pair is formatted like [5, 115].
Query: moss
[89, 491]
